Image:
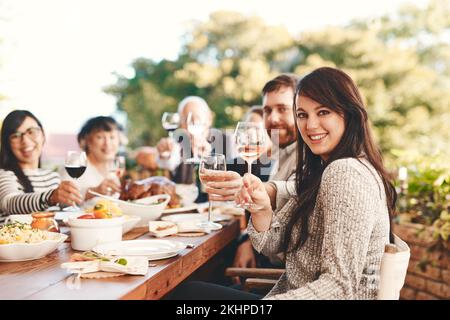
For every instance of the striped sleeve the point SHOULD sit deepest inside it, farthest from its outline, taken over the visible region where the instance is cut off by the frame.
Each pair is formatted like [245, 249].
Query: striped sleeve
[13, 200]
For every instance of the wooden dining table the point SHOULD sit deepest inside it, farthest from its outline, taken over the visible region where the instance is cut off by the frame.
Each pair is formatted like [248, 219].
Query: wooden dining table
[45, 279]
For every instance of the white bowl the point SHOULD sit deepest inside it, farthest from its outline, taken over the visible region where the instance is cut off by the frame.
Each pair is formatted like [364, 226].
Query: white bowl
[129, 223]
[87, 233]
[30, 251]
[187, 192]
[144, 208]
[22, 218]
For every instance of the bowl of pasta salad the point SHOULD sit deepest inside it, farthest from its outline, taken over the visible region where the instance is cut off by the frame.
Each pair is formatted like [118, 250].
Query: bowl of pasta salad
[20, 242]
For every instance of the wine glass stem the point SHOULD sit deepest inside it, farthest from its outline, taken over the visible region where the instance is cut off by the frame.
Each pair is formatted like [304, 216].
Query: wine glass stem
[171, 134]
[194, 151]
[74, 204]
[249, 163]
[209, 210]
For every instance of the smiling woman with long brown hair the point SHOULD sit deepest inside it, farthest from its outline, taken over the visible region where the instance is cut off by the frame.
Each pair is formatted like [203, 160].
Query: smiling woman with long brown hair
[334, 231]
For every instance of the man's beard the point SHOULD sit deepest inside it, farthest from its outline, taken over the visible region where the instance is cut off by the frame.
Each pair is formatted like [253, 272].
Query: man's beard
[285, 135]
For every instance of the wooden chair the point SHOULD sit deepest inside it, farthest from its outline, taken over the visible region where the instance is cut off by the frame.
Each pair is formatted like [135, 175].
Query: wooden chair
[256, 279]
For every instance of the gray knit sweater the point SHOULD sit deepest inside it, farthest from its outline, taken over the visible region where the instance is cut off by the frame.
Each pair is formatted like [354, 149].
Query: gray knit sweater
[347, 233]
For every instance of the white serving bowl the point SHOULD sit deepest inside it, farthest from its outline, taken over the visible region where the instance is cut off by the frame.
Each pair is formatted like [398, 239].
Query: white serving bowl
[30, 251]
[144, 208]
[187, 192]
[129, 223]
[22, 218]
[87, 233]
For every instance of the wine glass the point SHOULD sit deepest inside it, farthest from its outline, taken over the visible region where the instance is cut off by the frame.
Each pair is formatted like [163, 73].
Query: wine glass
[116, 170]
[121, 165]
[75, 165]
[170, 122]
[209, 164]
[196, 127]
[250, 138]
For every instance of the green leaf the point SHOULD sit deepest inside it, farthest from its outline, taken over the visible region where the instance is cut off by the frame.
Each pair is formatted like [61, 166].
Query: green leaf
[122, 261]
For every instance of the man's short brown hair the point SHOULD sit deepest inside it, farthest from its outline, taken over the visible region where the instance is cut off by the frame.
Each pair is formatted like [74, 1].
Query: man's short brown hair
[283, 80]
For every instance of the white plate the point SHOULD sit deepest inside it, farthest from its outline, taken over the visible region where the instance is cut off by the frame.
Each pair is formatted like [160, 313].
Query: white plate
[152, 249]
[182, 209]
[185, 217]
[165, 256]
[30, 251]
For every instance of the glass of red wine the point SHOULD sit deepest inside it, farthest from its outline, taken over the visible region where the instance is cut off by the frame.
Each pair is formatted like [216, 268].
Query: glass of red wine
[75, 165]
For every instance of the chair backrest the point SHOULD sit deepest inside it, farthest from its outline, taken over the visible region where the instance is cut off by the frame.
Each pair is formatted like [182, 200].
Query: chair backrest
[394, 265]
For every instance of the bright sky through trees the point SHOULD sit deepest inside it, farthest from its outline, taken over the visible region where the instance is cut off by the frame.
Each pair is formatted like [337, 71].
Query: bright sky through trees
[57, 55]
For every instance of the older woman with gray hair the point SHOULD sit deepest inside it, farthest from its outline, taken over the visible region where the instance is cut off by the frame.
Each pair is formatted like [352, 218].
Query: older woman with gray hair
[100, 137]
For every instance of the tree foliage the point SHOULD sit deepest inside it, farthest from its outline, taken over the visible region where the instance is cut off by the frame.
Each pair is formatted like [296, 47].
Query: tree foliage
[401, 63]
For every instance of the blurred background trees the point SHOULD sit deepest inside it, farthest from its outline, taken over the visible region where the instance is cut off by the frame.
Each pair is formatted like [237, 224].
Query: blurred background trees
[401, 63]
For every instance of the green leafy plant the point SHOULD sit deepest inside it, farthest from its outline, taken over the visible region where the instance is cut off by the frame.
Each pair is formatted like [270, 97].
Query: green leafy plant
[426, 200]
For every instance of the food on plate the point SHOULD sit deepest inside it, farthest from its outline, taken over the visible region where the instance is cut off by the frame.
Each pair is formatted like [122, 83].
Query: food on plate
[133, 190]
[91, 255]
[18, 232]
[86, 216]
[103, 209]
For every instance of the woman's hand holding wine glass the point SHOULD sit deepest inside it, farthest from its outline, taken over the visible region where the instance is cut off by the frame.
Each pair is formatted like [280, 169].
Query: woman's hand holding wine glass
[67, 193]
[254, 191]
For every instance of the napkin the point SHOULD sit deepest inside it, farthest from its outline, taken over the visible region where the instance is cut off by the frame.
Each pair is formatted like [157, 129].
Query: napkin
[125, 264]
[161, 229]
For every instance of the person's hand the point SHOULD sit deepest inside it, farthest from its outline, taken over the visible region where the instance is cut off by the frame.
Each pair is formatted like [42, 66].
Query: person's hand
[200, 146]
[253, 190]
[66, 193]
[165, 147]
[222, 185]
[146, 157]
[244, 258]
[108, 186]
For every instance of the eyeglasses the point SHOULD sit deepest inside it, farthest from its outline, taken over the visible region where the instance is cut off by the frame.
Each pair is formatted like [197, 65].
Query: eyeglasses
[32, 133]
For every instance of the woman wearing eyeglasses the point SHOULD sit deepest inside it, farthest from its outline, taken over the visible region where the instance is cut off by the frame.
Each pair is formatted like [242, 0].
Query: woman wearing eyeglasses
[24, 186]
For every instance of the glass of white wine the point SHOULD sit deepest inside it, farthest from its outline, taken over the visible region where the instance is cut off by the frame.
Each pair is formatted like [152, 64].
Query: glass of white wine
[196, 126]
[209, 165]
[250, 139]
[116, 170]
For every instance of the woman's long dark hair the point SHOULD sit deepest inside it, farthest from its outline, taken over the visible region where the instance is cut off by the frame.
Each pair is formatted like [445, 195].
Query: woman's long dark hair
[336, 90]
[8, 160]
